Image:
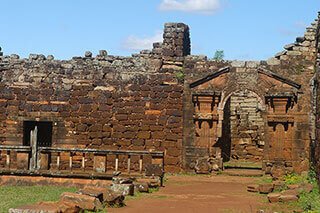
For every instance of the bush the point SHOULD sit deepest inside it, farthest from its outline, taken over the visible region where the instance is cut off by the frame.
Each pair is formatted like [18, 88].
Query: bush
[309, 202]
[218, 55]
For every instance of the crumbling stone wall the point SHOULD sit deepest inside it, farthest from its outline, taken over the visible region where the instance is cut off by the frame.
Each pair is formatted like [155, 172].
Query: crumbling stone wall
[283, 83]
[316, 144]
[247, 127]
[107, 102]
[189, 106]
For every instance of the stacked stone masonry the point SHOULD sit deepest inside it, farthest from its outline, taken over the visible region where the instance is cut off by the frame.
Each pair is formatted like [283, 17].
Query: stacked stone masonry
[165, 99]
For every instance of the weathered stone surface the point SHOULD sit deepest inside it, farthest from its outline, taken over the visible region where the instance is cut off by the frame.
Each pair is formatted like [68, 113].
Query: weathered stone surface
[253, 188]
[140, 103]
[266, 188]
[202, 166]
[112, 198]
[120, 180]
[123, 189]
[47, 207]
[105, 195]
[154, 170]
[274, 197]
[93, 192]
[85, 202]
[141, 187]
[279, 185]
[288, 198]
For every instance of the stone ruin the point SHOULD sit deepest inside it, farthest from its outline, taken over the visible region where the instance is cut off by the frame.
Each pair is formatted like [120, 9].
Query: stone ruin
[200, 112]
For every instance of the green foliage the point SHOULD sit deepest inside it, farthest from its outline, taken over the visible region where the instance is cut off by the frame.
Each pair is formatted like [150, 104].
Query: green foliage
[265, 179]
[309, 202]
[15, 196]
[180, 76]
[295, 179]
[218, 55]
[152, 190]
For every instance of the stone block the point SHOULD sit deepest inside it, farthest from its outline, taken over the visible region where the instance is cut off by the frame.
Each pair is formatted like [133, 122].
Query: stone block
[85, 202]
[288, 198]
[154, 170]
[44, 161]
[144, 135]
[99, 163]
[47, 207]
[274, 197]
[279, 185]
[141, 187]
[22, 160]
[123, 189]
[113, 199]
[266, 188]
[253, 188]
[93, 192]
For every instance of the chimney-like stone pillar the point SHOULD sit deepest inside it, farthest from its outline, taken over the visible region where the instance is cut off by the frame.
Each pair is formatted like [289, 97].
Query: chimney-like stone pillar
[176, 40]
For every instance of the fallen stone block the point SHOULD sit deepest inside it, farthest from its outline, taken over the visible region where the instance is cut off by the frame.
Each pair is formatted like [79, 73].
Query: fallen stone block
[202, 166]
[279, 185]
[266, 188]
[154, 182]
[93, 192]
[294, 192]
[253, 188]
[288, 198]
[141, 187]
[293, 186]
[119, 180]
[124, 189]
[106, 196]
[154, 170]
[111, 198]
[85, 202]
[46, 207]
[274, 197]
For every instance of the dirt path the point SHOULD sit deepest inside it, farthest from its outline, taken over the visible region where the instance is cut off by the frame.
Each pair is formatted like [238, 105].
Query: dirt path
[189, 194]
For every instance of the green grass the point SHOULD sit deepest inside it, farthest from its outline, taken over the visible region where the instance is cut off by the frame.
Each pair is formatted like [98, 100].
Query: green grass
[264, 179]
[308, 202]
[15, 196]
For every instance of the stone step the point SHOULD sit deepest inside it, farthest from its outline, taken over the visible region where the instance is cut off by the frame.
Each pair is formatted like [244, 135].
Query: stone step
[243, 172]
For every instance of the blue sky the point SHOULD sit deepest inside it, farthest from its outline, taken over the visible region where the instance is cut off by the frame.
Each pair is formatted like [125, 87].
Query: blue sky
[244, 29]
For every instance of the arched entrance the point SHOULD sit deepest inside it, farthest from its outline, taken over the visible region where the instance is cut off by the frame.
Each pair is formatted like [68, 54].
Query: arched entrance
[242, 136]
[236, 115]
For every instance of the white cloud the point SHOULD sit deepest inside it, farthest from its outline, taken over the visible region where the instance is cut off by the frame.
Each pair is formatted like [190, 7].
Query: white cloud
[135, 43]
[198, 6]
[300, 24]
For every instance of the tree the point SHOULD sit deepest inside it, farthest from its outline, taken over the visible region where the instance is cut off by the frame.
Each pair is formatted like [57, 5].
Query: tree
[218, 55]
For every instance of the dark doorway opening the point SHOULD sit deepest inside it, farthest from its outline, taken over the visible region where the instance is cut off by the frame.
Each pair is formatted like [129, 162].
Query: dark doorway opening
[44, 137]
[224, 141]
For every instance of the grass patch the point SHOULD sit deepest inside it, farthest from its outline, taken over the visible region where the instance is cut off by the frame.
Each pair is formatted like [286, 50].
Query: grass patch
[264, 179]
[308, 202]
[15, 196]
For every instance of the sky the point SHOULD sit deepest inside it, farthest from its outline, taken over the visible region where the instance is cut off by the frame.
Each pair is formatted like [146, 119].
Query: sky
[243, 29]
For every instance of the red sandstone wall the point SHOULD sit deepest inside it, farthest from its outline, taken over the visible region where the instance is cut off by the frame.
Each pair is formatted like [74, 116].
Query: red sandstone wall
[106, 108]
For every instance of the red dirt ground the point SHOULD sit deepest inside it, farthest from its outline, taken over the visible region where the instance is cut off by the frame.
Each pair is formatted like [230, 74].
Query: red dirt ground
[189, 194]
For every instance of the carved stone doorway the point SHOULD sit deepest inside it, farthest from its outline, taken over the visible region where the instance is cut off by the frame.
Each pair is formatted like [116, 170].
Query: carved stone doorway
[243, 126]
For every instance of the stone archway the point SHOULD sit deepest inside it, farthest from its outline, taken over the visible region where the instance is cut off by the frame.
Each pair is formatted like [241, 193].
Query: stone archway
[231, 113]
[242, 126]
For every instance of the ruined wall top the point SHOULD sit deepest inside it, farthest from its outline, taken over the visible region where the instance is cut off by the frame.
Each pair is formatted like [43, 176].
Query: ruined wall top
[176, 47]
